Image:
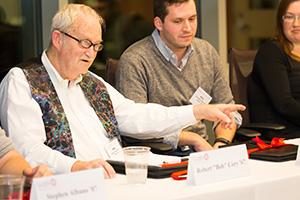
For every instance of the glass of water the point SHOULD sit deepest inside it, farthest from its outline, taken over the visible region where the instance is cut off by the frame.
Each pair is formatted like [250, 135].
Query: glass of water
[136, 163]
[11, 187]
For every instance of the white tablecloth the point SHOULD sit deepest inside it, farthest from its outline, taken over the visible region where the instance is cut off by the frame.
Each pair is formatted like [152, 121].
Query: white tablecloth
[268, 180]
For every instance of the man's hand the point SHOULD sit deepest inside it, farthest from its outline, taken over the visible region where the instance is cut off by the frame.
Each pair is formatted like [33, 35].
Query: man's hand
[109, 171]
[39, 171]
[216, 112]
[195, 140]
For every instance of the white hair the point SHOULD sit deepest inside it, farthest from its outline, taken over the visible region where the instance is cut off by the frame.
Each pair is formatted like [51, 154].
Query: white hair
[65, 17]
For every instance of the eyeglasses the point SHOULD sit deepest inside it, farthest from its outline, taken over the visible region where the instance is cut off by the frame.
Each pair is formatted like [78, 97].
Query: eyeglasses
[85, 43]
[290, 18]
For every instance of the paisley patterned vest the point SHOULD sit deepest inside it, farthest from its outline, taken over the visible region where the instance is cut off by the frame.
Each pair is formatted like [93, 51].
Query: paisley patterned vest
[57, 128]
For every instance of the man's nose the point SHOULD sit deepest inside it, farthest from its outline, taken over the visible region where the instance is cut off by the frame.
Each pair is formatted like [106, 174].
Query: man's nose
[187, 25]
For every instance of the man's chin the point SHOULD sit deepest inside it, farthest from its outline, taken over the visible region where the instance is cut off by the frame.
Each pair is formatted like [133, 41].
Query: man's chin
[185, 44]
[84, 72]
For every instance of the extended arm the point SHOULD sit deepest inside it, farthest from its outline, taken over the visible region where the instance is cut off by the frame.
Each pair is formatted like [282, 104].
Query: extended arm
[195, 140]
[13, 163]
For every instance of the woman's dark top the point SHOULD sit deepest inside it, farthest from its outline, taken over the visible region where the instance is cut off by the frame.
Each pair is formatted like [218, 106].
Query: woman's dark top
[274, 90]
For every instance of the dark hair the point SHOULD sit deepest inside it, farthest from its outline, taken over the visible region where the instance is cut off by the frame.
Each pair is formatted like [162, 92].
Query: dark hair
[160, 7]
[280, 36]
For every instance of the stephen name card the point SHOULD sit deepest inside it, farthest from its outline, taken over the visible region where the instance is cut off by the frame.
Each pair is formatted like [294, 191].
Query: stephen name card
[217, 165]
[87, 184]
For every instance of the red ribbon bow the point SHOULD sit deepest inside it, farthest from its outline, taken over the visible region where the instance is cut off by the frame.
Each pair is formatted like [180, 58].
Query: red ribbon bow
[261, 145]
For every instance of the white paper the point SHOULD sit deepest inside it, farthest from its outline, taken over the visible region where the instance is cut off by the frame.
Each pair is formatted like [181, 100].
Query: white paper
[218, 165]
[87, 184]
[200, 97]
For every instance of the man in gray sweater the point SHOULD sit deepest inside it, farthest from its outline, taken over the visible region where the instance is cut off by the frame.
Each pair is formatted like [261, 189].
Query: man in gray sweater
[172, 67]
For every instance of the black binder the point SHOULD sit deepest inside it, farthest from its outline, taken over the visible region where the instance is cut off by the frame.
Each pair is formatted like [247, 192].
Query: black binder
[276, 154]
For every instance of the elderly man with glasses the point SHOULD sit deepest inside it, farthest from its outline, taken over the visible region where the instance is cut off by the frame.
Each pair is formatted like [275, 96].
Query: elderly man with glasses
[58, 113]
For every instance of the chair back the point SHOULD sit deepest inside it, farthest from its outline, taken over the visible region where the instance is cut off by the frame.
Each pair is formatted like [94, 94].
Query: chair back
[110, 71]
[240, 69]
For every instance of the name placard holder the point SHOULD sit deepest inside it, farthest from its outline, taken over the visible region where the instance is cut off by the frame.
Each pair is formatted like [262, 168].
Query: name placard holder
[87, 184]
[218, 165]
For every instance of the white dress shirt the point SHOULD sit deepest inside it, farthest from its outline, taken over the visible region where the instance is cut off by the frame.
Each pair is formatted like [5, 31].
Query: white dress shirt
[21, 117]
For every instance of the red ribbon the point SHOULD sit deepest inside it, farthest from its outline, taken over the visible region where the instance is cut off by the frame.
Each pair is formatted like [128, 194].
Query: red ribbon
[261, 145]
[180, 175]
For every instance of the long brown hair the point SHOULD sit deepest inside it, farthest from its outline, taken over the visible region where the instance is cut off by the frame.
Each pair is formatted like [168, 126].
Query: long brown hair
[285, 44]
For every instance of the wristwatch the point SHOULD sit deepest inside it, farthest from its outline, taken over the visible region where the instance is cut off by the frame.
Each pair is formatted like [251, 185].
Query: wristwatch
[222, 140]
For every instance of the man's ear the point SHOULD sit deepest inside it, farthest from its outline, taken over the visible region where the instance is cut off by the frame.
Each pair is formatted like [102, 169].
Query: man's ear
[56, 38]
[157, 23]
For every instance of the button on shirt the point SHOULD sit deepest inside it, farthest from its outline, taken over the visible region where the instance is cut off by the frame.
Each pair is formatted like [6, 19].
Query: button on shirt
[21, 117]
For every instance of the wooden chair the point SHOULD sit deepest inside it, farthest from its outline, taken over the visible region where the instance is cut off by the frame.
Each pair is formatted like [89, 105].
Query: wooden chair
[240, 69]
[110, 71]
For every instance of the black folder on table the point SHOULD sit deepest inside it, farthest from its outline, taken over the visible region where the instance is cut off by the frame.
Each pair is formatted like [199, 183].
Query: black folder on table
[153, 171]
[274, 154]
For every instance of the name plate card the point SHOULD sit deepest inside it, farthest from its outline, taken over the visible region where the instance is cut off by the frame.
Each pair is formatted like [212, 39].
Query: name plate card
[87, 184]
[298, 157]
[218, 165]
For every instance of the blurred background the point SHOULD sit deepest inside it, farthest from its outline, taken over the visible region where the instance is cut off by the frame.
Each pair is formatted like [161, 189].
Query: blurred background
[25, 25]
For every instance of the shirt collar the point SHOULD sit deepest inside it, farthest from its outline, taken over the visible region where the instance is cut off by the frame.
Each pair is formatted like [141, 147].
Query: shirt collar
[168, 53]
[54, 75]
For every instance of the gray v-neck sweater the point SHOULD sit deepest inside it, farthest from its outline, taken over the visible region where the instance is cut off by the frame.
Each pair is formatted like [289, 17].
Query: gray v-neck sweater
[144, 75]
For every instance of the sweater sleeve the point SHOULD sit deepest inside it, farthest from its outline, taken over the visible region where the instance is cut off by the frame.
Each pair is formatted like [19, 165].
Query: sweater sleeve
[5, 144]
[271, 66]
[221, 92]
